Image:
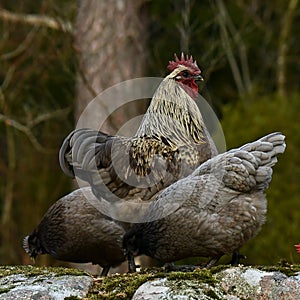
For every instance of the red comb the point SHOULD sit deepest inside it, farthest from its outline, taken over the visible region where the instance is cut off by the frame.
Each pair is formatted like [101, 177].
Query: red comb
[185, 61]
[298, 248]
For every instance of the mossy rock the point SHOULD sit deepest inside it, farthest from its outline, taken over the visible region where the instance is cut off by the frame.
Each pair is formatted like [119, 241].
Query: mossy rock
[210, 283]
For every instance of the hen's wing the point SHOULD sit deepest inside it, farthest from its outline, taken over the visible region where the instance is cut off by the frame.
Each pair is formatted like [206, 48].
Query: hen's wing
[120, 166]
[249, 167]
[222, 178]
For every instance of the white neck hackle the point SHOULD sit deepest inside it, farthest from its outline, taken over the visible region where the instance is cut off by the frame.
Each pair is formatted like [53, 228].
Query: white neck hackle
[173, 114]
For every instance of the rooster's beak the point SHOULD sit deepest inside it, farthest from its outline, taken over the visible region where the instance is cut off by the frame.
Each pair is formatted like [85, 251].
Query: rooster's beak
[198, 77]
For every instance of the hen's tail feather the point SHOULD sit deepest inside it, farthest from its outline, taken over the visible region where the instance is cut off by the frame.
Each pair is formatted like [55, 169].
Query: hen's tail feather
[258, 158]
[248, 167]
[273, 144]
[266, 148]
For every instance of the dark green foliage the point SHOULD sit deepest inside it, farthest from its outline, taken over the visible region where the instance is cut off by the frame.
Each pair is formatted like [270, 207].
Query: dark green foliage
[253, 36]
[248, 120]
[37, 78]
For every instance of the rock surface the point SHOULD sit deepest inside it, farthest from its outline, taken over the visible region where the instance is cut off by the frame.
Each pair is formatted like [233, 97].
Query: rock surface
[221, 282]
[256, 284]
[48, 286]
[232, 284]
[162, 288]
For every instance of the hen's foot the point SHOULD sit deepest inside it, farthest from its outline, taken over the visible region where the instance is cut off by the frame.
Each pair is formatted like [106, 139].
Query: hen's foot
[131, 263]
[171, 267]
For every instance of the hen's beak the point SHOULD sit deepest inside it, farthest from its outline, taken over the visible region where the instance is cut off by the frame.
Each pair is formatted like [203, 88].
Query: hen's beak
[198, 77]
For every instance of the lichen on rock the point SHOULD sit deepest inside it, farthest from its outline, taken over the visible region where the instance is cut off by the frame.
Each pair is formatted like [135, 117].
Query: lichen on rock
[220, 282]
[25, 282]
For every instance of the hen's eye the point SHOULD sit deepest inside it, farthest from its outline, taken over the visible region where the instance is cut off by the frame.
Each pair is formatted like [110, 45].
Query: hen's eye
[185, 74]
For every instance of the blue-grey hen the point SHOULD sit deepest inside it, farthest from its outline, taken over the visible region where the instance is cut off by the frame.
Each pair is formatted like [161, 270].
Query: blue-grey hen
[74, 230]
[221, 205]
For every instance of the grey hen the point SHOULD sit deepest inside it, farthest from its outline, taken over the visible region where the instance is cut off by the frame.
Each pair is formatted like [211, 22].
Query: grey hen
[170, 143]
[74, 230]
[221, 205]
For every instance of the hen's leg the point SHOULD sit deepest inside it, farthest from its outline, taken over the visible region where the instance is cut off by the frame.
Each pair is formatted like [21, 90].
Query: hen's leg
[131, 263]
[213, 261]
[105, 271]
[236, 257]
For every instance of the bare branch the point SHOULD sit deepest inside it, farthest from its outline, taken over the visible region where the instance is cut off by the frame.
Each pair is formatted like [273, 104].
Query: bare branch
[47, 116]
[8, 77]
[6, 215]
[27, 129]
[242, 51]
[184, 27]
[21, 48]
[36, 20]
[283, 47]
[222, 18]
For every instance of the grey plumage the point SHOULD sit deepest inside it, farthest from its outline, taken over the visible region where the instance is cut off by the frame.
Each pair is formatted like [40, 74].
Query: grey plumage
[222, 205]
[74, 230]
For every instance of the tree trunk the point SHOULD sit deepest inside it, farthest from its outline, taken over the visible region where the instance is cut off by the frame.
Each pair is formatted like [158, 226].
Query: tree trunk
[110, 37]
[283, 47]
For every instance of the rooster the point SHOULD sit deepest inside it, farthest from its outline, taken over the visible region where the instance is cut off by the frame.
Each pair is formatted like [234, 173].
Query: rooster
[74, 230]
[170, 143]
[222, 205]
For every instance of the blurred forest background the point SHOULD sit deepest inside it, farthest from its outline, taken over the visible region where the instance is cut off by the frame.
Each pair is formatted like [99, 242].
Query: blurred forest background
[55, 56]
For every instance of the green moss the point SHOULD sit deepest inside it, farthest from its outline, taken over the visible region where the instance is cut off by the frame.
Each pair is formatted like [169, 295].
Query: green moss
[203, 275]
[4, 290]
[211, 294]
[289, 270]
[124, 286]
[218, 268]
[34, 271]
[117, 286]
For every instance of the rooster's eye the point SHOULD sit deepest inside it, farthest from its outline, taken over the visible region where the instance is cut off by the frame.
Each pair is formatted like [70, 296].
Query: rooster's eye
[185, 74]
